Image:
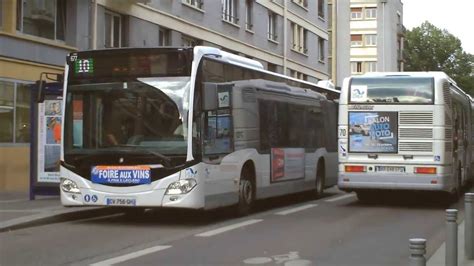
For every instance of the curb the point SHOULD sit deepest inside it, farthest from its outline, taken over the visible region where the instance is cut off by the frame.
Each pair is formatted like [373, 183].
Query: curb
[70, 214]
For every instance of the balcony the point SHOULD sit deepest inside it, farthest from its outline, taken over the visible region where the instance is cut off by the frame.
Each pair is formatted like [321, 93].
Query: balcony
[401, 30]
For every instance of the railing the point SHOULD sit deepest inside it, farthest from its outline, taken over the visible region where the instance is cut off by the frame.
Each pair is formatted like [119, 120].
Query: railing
[401, 30]
[230, 18]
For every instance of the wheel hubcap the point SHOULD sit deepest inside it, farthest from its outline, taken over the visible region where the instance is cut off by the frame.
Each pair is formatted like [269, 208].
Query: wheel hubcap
[247, 191]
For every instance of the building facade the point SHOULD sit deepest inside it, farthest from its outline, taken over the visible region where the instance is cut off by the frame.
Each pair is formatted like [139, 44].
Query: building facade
[366, 36]
[286, 36]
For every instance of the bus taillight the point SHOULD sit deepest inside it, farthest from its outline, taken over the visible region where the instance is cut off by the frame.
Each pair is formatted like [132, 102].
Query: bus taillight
[425, 170]
[355, 168]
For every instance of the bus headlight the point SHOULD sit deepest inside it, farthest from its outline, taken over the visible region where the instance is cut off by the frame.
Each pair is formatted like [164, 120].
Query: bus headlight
[181, 186]
[67, 185]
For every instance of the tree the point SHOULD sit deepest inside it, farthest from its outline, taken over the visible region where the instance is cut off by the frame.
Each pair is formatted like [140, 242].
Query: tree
[428, 48]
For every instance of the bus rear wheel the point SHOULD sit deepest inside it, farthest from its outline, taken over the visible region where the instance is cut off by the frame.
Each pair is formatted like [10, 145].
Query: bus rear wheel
[365, 196]
[459, 185]
[246, 194]
[319, 182]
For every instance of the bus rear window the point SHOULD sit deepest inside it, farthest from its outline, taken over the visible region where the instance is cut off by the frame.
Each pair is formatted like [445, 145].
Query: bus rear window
[392, 90]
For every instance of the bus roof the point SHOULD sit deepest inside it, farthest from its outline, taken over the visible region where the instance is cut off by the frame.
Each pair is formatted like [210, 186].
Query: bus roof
[435, 74]
[250, 63]
[224, 56]
[267, 85]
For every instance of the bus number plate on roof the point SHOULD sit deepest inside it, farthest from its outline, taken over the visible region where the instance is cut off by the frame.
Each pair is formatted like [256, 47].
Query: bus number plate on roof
[121, 175]
[391, 169]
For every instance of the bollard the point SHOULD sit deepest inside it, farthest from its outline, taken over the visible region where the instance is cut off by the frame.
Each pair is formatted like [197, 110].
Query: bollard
[451, 237]
[468, 226]
[417, 252]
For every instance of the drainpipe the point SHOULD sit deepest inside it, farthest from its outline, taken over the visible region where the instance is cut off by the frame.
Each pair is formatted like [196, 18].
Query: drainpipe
[334, 42]
[93, 25]
[383, 35]
[285, 35]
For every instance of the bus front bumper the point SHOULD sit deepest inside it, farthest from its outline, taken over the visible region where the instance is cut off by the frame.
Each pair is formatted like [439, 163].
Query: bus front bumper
[387, 181]
[151, 198]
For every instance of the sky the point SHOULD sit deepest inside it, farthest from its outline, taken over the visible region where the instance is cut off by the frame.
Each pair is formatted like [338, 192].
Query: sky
[456, 16]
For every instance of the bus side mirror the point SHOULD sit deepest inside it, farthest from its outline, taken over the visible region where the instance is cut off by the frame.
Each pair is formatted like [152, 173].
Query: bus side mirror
[41, 83]
[209, 99]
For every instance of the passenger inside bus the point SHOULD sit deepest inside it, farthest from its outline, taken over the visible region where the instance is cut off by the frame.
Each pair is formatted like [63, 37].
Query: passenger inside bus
[123, 134]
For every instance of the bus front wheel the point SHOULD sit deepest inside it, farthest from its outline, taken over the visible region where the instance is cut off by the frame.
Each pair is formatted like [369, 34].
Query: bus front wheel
[246, 194]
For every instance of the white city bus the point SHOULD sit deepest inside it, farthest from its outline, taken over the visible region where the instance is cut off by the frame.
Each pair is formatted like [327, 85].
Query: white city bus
[194, 128]
[404, 131]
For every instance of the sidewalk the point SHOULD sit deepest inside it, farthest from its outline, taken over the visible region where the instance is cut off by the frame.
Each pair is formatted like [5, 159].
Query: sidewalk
[17, 211]
[438, 258]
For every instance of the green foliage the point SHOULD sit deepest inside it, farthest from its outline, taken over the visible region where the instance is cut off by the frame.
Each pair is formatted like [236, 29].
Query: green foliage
[428, 48]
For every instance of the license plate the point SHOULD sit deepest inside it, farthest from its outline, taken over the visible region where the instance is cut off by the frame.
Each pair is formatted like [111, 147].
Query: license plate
[121, 201]
[391, 169]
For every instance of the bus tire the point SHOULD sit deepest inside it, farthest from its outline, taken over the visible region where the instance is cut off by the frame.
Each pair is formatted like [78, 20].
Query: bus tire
[459, 187]
[457, 193]
[320, 180]
[246, 193]
[365, 196]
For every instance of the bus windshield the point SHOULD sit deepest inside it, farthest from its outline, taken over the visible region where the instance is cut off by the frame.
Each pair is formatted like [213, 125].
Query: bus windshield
[145, 116]
[392, 90]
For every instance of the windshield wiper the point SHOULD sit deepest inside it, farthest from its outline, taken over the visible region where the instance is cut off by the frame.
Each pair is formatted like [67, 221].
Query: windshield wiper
[166, 160]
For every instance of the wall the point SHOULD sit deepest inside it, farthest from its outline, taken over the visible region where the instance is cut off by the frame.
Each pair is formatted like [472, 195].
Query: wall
[343, 36]
[14, 168]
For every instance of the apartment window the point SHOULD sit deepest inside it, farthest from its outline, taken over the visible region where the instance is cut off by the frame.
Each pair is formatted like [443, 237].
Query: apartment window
[113, 30]
[321, 49]
[370, 66]
[321, 8]
[164, 37]
[272, 25]
[370, 39]
[300, 36]
[272, 67]
[356, 13]
[356, 39]
[292, 73]
[42, 18]
[194, 3]
[297, 75]
[303, 3]
[1, 14]
[371, 13]
[190, 41]
[249, 14]
[14, 112]
[229, 11]
[356, 67]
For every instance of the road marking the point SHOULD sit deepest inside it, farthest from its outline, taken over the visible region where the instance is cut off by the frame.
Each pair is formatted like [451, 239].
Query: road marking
[130, 256]
[32, 211]
[228, 228]
[340, 198]
[98, 218]
[297, 209]
[12, 201]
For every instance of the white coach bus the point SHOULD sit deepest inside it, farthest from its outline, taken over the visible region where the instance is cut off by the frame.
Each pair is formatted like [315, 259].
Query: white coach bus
[404, 131]
[194, 128]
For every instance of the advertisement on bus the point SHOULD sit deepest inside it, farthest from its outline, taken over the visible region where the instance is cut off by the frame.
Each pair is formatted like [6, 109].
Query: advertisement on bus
[287, 164]
[375, 132]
